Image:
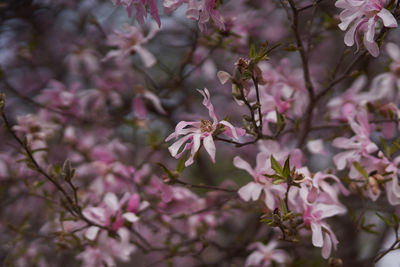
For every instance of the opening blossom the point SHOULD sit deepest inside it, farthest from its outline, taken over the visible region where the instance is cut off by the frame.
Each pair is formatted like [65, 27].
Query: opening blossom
[194, 132]
[130, 41]
[364, 14]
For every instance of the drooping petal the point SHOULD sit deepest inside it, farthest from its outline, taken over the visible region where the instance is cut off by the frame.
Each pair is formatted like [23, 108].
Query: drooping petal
[232, 131]
[238, 162]
[317, 239]
[393, 51]
[210, 147]
[195, 148]
[174, 148]
[327, 246]
[155, 101]
[147, 57]
[387, 18]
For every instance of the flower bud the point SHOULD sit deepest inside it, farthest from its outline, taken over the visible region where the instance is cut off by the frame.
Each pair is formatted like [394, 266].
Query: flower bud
[2, 102]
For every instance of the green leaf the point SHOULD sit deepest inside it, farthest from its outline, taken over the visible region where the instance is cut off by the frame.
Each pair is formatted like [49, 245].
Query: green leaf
[361, 170]
[278, 181]
[252, 53]
[181, 165]
[386, 221]
[280, 120]
[276, 166]
[286, 168]
[275, 176]
[283, 206]
[384, 145]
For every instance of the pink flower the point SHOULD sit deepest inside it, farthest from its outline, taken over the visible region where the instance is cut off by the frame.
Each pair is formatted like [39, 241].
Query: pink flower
[252, 190]
[348, 104]
[200, 10]
[265, 255]
[364, 14]
[111, 213]
[108, 249]
[194, 132]
[129, 41]
[140, 9]
[139, 107]
[356, 146]
[322, 235]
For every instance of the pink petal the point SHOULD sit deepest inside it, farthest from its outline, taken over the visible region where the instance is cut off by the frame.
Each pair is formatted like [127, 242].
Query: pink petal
[91, 232]
[231, 131]
[223, 76]
[250, 191]
[155, 101]
[147, 58]
[317, 239]
[130, 217]
[327, 247]
[387, 18]
[210, 147]
[238, 162]
[139, 108]
[111, 200]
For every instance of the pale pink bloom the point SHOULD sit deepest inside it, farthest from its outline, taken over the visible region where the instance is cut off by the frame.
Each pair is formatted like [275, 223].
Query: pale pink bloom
[193, 132]
[59, 96]
[129, 41]
[282, 86]
[174, 200]
[265, 255]
[381, 165]
[200, 10]
[348, 104]
[322, 235]
[140, 6]
[82, 58]
[200, 222]
[317, 189]
[392, 187]
[111, 213]
[252, 190]
[35, 127]
[357, 146]
[139, 107]
[107, 249]
[364, 15]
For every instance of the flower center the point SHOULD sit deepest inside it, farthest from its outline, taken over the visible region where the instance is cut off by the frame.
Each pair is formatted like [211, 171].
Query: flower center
[206, 126]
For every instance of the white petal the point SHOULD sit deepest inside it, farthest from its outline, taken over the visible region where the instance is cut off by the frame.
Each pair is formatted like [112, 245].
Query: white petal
[91, 232]
[130, 217]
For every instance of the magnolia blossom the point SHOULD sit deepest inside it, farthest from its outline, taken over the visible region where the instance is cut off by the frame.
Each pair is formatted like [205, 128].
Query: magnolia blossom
[364, 14]
[140, 9]
[108, 249]
[139, 107]
[129, 41]
[356, 146]
[252, 190]
[322, 235]
[200, 10]
[111, 213]
[194, 132]
[265, 255]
